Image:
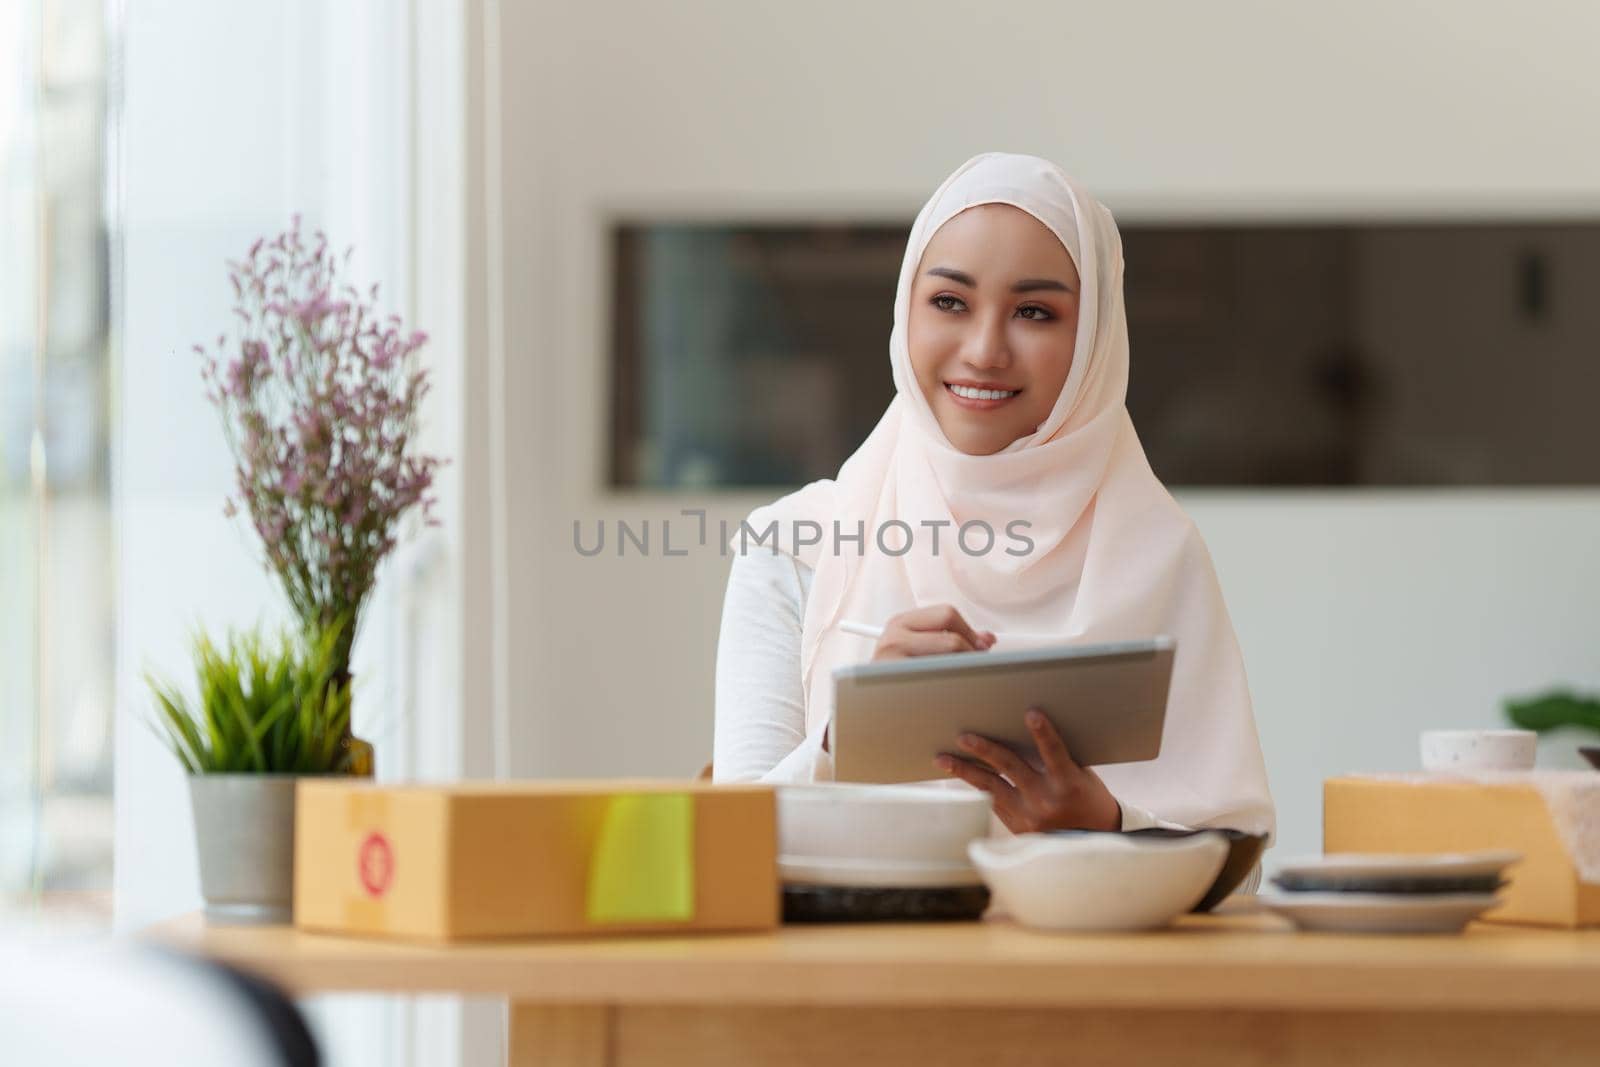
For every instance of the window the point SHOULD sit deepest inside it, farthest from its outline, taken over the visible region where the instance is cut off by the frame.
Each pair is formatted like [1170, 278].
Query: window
[1379, 354]
[57, 609]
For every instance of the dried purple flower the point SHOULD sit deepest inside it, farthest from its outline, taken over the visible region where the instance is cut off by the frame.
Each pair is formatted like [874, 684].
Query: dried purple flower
[320, 409]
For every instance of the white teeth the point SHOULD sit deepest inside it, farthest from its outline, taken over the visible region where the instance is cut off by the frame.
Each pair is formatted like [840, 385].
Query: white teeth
[982, 394]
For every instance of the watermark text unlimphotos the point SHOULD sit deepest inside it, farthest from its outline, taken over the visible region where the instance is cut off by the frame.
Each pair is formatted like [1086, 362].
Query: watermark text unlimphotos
[893, 537]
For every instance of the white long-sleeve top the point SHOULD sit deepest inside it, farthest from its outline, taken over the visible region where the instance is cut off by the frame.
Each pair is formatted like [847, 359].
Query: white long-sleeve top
[760, 703]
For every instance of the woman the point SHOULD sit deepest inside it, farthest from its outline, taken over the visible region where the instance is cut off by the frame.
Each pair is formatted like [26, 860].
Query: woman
[1010, 358]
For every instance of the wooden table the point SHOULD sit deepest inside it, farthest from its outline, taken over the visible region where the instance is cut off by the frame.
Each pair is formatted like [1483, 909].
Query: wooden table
[1240, 989]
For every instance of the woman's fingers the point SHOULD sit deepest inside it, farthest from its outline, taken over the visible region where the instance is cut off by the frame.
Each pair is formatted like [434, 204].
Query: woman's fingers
[931, 631]
[1003, 792]
[944, 617]
[1001, 758]
[1058, 761]
[934, 642]
[899, 644]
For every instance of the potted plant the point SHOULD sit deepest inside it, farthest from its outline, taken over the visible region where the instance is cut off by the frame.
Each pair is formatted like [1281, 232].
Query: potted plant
[319, 397]
[265, 713]
[1556, 709]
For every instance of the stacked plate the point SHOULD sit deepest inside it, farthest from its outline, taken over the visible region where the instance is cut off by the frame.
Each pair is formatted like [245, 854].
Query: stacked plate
[1392, 894]
[854, 853]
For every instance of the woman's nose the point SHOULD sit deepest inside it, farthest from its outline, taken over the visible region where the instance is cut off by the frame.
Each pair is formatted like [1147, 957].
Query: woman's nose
[986, 346]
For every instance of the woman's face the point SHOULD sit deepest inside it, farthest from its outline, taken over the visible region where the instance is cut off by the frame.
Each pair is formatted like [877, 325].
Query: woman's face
[994, 313]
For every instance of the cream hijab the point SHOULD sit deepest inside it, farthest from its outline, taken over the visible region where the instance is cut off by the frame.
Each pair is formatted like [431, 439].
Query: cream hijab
[1113, 557]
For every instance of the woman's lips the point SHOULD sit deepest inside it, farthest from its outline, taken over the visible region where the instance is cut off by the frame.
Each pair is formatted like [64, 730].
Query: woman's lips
[979, 405]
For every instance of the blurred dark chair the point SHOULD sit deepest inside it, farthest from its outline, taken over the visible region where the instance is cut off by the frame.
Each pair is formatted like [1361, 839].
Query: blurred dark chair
[70, 1003]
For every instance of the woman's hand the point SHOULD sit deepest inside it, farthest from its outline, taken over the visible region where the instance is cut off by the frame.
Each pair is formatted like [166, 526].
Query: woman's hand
[1059, 796]
[929, 631]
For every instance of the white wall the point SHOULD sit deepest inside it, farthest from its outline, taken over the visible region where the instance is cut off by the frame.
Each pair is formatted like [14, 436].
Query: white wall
[1366, 617]
[1166, 110]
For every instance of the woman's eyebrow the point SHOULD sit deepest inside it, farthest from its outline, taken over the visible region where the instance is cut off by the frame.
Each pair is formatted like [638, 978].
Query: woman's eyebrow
[1026, 285]
[954, 275]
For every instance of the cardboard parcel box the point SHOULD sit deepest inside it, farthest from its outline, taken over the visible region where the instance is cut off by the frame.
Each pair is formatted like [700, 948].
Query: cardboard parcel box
[518, 859]
[1546, 816]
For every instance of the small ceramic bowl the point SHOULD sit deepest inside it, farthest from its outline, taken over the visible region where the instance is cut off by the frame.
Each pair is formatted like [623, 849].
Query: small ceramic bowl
[1244, 851]
[1099, 881]
[1479, 750]
[879, 835]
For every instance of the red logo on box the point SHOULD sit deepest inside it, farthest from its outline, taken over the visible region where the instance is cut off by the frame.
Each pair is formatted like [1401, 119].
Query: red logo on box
[375, 864]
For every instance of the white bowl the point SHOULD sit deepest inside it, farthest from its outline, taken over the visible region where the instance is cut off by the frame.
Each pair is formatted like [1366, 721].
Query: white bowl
[850, 834]
[1098, 881]
[1479, 750]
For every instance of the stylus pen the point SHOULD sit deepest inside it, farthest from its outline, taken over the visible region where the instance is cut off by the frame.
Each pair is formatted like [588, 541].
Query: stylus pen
[850, 626]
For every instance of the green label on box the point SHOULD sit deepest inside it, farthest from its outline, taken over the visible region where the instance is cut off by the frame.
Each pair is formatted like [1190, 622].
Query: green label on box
[642, 868]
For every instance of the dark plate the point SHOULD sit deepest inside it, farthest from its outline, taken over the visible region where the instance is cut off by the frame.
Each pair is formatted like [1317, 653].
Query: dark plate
[1592, 754]
[841, 904]
[1303, 883]
[1244, 850]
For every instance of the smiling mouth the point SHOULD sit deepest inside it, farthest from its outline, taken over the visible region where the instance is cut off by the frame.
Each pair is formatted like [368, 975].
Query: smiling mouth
[980, 399]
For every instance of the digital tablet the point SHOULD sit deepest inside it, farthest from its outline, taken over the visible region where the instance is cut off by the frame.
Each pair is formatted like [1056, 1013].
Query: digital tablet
[1108, 701]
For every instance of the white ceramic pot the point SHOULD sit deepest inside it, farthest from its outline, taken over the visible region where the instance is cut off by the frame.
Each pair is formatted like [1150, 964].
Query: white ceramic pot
[1096, 881]
[879, 835]
[244, 832]
[1479, 750]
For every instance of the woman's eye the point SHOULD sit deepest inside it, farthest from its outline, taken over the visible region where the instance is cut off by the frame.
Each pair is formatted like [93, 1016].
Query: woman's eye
[945, 302]
[1035, 313]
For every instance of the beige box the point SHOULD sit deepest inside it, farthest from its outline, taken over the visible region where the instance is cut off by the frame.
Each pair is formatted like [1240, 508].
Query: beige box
[1380, 815]
[519, 859]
